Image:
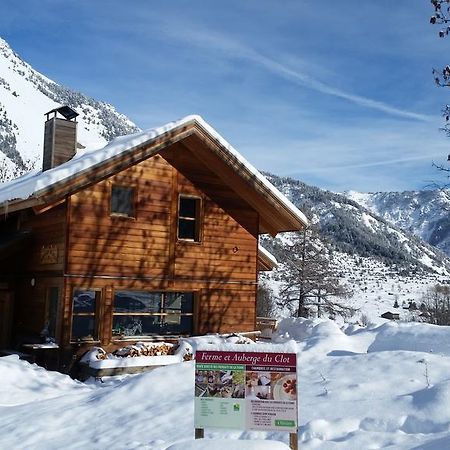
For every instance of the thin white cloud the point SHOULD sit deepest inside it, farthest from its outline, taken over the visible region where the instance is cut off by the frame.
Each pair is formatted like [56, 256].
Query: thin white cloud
[312, 83]
[213, 41]
[389, 162]
[370, 155]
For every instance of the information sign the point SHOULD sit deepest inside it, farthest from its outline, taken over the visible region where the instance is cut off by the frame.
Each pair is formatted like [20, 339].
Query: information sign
[246, 390]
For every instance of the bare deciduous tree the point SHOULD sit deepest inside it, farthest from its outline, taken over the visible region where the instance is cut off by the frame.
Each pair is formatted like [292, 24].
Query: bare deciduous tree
[436, 305]
[265, 301]
[308, 280]
[441, 17]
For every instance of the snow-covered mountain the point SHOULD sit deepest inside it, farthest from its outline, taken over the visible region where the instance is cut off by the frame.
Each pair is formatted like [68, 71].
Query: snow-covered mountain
[26, 95]
[423, 213]
[378, 261]
[356, 230]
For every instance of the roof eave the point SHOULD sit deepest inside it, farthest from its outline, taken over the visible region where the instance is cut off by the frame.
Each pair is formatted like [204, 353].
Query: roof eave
[289, 217]
[277, 215]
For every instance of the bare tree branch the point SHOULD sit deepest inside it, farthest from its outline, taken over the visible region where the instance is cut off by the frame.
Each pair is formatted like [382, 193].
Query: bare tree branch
[308, 279]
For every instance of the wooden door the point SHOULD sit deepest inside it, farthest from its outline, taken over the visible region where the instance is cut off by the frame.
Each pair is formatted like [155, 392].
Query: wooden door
[6, 317]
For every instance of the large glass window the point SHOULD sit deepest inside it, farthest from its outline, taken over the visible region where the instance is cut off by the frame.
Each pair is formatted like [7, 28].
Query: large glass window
[189, 218]
[84, 321]
[141, 313]
[122, 201]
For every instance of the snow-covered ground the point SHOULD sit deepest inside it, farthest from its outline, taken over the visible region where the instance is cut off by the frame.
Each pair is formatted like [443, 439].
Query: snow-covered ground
[374, 288]
[384, 386]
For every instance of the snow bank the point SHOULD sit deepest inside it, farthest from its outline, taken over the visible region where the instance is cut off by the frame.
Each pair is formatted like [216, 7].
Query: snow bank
[218, 344]
[227, 444]
[321, 335]
[359, 389]
[138, 361]
[416, 337]
[22, 382]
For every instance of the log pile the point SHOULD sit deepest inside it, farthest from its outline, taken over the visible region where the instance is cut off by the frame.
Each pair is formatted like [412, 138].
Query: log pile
[144, 349]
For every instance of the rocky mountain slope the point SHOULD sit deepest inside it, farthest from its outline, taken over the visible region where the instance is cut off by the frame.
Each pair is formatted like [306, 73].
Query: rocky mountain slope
[423, 213]
[378, 263]
[25, 96]
[355, 230]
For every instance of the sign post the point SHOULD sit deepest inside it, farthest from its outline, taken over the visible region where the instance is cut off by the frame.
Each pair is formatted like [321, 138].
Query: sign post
[246, 390]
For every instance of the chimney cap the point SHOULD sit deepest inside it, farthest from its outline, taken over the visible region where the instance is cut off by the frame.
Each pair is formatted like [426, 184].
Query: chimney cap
[67, 112]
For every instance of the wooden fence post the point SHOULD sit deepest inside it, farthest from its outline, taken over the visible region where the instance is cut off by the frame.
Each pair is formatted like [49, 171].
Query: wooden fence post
[199, 433]
[293, 441]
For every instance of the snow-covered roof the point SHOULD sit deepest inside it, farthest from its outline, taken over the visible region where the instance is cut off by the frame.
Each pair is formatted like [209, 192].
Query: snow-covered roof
[265, 253]
[36, 183]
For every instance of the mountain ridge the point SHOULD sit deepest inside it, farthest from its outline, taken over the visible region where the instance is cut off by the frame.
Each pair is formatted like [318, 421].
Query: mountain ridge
[26, 95]
[355, 229]
[424, 213]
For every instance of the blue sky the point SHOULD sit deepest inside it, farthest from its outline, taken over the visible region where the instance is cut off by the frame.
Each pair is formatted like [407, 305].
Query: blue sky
[337, 94]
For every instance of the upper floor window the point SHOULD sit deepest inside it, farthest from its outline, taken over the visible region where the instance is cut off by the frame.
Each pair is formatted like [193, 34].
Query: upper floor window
[122, 201]
[189, 218]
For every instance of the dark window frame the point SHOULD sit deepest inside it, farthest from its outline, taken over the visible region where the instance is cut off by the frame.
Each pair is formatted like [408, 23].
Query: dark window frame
[196, 219]
[127, 215]
[95, 314]
[162, 313]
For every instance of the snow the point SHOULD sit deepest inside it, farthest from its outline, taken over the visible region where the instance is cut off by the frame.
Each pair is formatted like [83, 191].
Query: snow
[268, 255]
[23, 383]
[358, 197]
[413, 337]
[138, 361]
[24, 187]
[368, 221]
[226, 444]
[383, 386]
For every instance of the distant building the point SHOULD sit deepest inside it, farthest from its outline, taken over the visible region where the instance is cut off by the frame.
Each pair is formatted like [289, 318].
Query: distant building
[390, 315]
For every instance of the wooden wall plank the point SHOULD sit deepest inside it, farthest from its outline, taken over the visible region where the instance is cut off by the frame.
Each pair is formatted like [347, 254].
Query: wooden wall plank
[143, 252]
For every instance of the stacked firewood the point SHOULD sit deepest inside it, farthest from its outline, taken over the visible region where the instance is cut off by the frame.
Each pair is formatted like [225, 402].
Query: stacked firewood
[142, 349]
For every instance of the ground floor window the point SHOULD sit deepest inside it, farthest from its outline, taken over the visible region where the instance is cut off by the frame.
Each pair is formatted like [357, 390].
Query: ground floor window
[84, 319]
[141, 313]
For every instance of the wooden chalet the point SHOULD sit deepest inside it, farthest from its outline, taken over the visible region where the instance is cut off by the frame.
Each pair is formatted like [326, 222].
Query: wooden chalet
[154, 235]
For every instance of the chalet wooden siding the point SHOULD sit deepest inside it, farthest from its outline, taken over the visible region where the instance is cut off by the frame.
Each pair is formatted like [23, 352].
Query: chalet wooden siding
[42, 267]
[46, 254]
[113, 253]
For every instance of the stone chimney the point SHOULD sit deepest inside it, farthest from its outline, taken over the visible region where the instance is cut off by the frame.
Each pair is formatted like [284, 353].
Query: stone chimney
[60, 137]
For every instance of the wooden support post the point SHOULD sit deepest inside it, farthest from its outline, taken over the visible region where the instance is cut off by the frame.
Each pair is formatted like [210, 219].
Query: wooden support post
[199, 433]
[293, 441]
